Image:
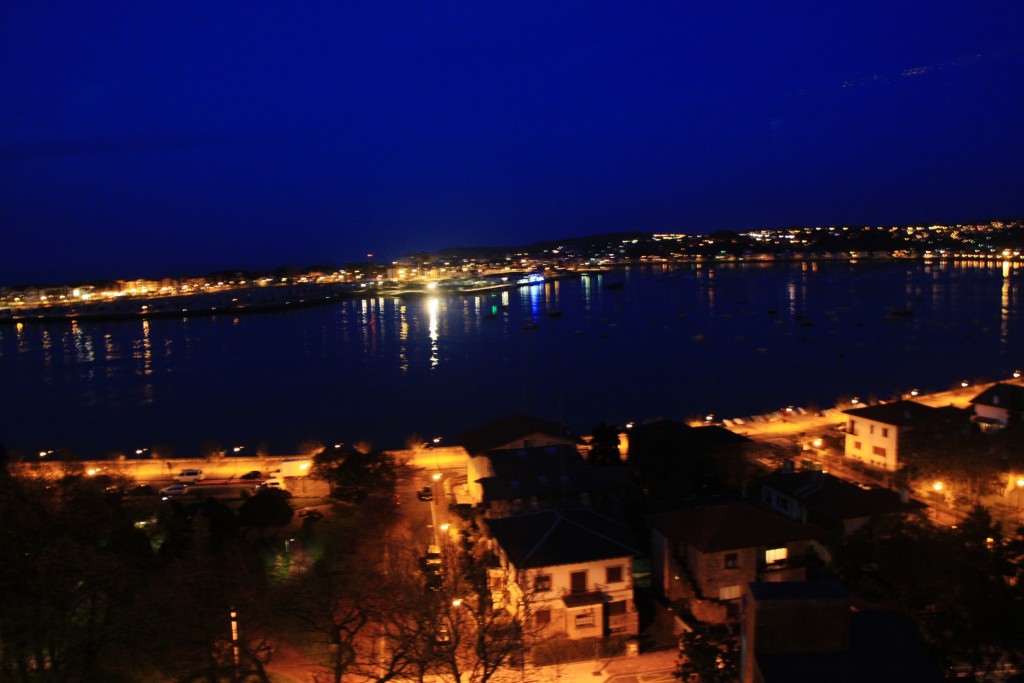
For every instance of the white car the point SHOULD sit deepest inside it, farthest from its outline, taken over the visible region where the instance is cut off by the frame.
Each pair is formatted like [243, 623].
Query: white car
[188, 476]
[174, 490]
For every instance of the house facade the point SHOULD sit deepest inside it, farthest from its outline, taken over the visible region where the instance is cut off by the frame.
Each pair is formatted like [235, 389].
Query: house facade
[705, 555]
[998, 406]
[509, 433]
[571, 570]
[874, 433]
[509, 482]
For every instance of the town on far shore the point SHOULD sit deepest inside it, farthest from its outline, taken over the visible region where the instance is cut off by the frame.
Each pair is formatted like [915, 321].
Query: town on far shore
[475, 270]
[873, 541]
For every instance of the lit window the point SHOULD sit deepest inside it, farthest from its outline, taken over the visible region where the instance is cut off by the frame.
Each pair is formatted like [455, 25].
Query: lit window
[775, 555]
[728, 592]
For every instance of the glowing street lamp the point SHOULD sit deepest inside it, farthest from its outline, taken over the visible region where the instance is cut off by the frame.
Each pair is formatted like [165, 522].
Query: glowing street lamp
[938, 486]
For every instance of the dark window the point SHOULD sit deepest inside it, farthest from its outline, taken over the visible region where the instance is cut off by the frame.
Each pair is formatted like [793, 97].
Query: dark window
[613, 575]
[616, 608]
[878, 450]
[732, 560]
[542, 617]
[578, 582]
[542, 583]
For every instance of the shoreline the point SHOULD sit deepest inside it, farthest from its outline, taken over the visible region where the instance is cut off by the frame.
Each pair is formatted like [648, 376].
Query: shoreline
[182, 306]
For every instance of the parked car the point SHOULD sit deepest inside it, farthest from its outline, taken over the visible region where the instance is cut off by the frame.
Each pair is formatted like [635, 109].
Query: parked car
[141, 490]
[254, 474]
[188, 476]
[433, 555]
[174, 490]
[425, 493]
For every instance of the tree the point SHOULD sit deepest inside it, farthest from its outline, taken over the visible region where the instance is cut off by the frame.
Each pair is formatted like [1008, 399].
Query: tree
[68, 562]
[269, 507]
[962, 585]
[708, 655]
[353, 475]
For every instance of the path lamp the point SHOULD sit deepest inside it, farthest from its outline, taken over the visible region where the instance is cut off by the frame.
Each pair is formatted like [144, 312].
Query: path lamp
[235, 649]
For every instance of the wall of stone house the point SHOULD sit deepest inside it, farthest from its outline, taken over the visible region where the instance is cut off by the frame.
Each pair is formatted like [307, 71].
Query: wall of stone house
[709, 611]
[710, 574]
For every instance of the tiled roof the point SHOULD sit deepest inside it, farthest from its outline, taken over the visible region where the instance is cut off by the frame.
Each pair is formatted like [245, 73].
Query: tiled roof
[511, 428]
[897, 413]
[555, 537]
[1001, 395]
[669, 433]
[548, 471]
[730, 526]
[834, 498]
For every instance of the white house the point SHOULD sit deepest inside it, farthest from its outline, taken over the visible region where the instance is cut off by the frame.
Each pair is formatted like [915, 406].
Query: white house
[571, 569]
[874, 433]
[998, 405]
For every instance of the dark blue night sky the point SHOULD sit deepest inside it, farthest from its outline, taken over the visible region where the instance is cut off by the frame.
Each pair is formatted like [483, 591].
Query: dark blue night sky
[147, 139]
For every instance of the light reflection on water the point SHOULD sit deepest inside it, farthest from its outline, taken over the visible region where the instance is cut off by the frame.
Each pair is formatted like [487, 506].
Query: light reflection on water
[673, 342]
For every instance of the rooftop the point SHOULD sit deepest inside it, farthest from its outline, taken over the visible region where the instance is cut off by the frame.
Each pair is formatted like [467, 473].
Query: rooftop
[556, 537]
[730, 526]
[511, 428]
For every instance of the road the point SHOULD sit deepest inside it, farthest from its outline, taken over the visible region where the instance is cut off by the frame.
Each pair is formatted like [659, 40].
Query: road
[794, 433]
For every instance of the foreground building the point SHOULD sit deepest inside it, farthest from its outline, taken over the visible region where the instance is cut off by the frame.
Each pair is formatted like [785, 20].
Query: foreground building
[806, 632]
[571, 569]
[705, 555]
